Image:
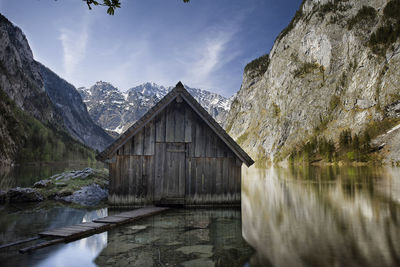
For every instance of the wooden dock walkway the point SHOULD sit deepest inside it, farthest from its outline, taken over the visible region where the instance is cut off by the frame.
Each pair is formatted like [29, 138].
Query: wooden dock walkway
[78, 231]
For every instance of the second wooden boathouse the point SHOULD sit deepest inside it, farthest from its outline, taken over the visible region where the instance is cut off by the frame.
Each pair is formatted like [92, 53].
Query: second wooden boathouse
[175, 154]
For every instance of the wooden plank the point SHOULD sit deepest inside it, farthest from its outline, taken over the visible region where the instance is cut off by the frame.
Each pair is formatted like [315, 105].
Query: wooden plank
[219, 149]
[150, 178]
[214, 148]
[138, 177]
[77, 231]
[188, 124]
[212, 177]
[19, 242]
[149, 139]
[111, 176]
[200, 141]
[182, 173]
[145, 176]
[231, 171]
[199, 175]
[179, 114]
[42, 245]
[131, 180]
[209, 143]
[193, 177]
[188, 176]
[225, 175]
[218, 175]
[159, 181]
[160, 127]
[238, 177]
[111, 219]
[152, 138]
[138, 146]
[169, 172]
[125, 177]
[194, 140]
[92, 224]
[118, 175]
[206, 176]
[170, 124]
[127, 147]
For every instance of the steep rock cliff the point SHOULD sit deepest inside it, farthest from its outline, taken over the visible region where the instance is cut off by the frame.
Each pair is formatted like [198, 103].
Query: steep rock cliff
[69, 104]
[20, 75]
[32, 127]
[335, 67]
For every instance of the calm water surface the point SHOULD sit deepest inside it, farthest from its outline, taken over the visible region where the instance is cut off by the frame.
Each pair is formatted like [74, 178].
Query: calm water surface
[336, 216]
[313, 216]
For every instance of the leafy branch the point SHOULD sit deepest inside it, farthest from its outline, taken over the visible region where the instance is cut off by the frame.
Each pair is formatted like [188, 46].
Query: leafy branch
[111, 4]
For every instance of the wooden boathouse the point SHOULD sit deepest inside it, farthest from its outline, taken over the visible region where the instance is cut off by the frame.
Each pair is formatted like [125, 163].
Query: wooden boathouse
[175, 154]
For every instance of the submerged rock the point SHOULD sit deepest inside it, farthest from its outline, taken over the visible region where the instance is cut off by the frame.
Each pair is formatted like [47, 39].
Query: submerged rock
[90, 195]
[23, 195]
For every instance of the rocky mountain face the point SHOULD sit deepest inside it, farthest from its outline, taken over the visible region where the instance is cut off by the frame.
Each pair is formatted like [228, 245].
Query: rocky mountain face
[116, 111]
[32, 127]
[334, 68]
[69, 104]
[20, 74]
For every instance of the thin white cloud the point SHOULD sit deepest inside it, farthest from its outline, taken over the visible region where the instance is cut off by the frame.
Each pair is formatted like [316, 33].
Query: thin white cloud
[74, 43]
[213, 51]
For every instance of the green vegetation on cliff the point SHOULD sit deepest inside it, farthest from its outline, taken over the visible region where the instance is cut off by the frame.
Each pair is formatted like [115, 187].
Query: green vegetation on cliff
[389, 32]
[258, 65]
[349, 148]
[365, 14]
[24, 138]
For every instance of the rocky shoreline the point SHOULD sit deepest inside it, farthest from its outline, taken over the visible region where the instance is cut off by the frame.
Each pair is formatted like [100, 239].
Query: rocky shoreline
[87, 187]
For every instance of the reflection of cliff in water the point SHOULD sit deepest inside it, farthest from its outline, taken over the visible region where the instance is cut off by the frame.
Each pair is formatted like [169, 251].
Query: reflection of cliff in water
[187, 237]
[322, 216]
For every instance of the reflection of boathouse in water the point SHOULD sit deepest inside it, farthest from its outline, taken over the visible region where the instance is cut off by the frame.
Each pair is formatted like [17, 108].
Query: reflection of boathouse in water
[175, 154]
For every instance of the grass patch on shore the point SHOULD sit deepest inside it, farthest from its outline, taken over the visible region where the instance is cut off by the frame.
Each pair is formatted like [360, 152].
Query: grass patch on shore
[63, 187]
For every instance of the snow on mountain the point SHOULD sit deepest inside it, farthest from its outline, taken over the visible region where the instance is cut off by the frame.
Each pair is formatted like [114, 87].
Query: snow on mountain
[116, 111]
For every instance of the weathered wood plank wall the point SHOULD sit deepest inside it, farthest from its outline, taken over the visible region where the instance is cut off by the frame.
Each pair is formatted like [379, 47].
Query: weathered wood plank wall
[176, 155]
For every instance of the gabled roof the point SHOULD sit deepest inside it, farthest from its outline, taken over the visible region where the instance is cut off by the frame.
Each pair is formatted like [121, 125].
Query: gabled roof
[163, 103]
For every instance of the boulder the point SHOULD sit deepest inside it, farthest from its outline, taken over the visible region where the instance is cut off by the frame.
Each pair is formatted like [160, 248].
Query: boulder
[42, 183]
[19, 194]
[90, 195]
[74, 174]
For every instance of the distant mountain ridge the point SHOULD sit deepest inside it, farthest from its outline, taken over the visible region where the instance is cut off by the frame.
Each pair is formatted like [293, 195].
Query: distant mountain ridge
[116, 111]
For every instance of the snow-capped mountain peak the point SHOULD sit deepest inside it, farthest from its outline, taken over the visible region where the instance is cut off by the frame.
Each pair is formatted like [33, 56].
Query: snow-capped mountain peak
[116, 111]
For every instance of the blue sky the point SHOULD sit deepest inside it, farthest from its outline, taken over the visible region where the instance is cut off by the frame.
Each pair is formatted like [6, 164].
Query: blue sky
[205, 43]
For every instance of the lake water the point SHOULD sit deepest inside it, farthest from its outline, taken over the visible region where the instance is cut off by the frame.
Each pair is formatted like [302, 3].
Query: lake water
[331, 216]
[336, 216]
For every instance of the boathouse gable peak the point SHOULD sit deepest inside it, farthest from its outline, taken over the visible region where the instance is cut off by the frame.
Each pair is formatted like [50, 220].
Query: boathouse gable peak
[178, 94]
